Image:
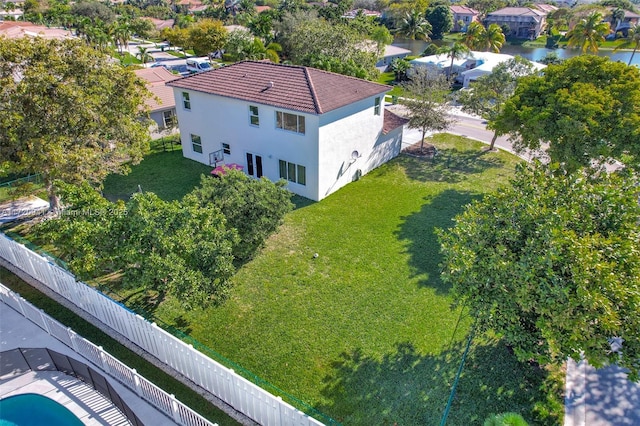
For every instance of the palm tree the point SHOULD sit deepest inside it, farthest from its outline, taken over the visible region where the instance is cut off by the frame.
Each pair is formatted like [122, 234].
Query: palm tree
[414, 26]
[632, 41]
[455, 51]
[144, 55]
[618, 17]
[484, 39]
[493, 39]
[588, 33]
[473, 34]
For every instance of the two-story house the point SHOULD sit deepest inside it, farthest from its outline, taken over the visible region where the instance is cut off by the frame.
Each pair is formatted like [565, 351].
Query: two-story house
[462, 17]
[315, 129]
[523, 22]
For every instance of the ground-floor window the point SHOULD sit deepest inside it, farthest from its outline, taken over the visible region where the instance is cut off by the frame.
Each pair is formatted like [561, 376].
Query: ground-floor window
[169, 118]
[293, 172]
[196, 143]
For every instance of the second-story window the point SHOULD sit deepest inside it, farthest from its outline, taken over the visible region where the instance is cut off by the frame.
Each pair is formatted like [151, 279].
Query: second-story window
[290, 122]
[186, 102]
[254, 117]
[376, 106]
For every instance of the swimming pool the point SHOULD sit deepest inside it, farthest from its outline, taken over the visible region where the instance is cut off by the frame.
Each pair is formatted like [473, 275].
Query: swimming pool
[30, 409]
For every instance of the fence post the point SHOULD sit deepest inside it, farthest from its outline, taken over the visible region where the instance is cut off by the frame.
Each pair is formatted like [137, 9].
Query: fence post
[43, 318]
[72, 337]
[136, 382]
[174, 409]
[103, 359]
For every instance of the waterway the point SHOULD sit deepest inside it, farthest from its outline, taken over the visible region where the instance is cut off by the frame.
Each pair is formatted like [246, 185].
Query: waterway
[531, 53]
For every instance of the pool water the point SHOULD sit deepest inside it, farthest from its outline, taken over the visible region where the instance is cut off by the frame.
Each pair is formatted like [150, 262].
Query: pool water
[30, 409]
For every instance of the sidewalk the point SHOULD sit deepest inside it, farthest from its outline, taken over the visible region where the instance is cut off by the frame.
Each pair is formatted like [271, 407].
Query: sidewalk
[601, 397]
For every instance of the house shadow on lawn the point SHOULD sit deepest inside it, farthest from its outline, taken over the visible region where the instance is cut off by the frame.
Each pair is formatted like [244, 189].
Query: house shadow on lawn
[409, 388]
[450, 165]
[418, 230]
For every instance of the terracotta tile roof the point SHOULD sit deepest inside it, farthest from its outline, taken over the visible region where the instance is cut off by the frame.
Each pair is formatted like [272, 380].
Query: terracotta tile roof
[291, 87]
[517, 11]
[463, 10]
[392, 121]
[156, 79]
[261, 9]
[14, 29]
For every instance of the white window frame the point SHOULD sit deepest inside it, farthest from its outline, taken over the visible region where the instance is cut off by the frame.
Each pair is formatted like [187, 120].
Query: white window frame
[292, 172]
[186, 101]
[282, 119]
[254, 116]
[196, 141]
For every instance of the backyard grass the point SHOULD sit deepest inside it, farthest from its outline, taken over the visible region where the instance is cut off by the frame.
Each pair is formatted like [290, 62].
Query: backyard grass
[365, 331]
[168, 174]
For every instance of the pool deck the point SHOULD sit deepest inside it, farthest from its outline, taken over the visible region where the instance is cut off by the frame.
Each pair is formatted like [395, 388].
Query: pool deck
[88, 405]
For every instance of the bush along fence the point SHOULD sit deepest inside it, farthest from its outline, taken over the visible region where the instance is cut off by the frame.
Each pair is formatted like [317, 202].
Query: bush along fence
[222, 382]
[51, 360]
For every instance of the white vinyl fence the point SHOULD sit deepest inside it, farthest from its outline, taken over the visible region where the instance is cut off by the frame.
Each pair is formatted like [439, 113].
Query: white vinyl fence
[241, 394]
[110, 365]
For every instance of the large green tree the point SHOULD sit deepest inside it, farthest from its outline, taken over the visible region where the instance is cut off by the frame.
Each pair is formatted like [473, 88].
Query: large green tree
[179, 248]
[552, 264]
[255, 208]
[489, 93]
[68, 112]
[441, 20]
[207, 36]
[426, 94]
[588, 33]
[587, 109]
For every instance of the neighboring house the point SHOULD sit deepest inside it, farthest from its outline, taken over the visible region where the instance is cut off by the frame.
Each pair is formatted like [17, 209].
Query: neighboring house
[315, 129]
[11, 29]
[160, 24]
[467, 69]
[353, 13]
[629, 21]
[523, 22]
[162, 104]
[390, 53]
[463, 15]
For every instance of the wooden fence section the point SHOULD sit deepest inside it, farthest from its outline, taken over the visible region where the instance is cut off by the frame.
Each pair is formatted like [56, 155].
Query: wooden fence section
[222, 382]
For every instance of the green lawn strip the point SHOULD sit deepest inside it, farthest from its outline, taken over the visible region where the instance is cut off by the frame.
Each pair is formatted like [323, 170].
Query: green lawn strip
[313, 326]
[98, 337]
[168, 174]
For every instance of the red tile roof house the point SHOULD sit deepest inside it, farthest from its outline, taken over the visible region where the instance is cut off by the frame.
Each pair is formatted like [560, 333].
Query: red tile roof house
[523, 22]
[464, 15]
[317, 130]
[162, 105]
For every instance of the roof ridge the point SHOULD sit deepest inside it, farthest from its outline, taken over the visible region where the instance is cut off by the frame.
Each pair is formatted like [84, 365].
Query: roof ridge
[312, 89]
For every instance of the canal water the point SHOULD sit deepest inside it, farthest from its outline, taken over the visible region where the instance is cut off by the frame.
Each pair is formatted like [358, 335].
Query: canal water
[531, 53]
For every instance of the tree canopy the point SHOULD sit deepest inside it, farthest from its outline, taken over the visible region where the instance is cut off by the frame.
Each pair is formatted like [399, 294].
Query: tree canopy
[588, 33]
[74, 115]
[441, 20]
[552, 264]
[187, 249]
[587, 109]
[489, 93]
[427, 90]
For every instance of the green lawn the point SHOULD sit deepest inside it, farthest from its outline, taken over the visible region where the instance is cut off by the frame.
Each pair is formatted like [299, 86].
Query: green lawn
[364, 332]
[168, 174]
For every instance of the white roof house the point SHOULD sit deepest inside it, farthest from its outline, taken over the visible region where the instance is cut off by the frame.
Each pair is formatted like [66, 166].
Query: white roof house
[469, 68]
